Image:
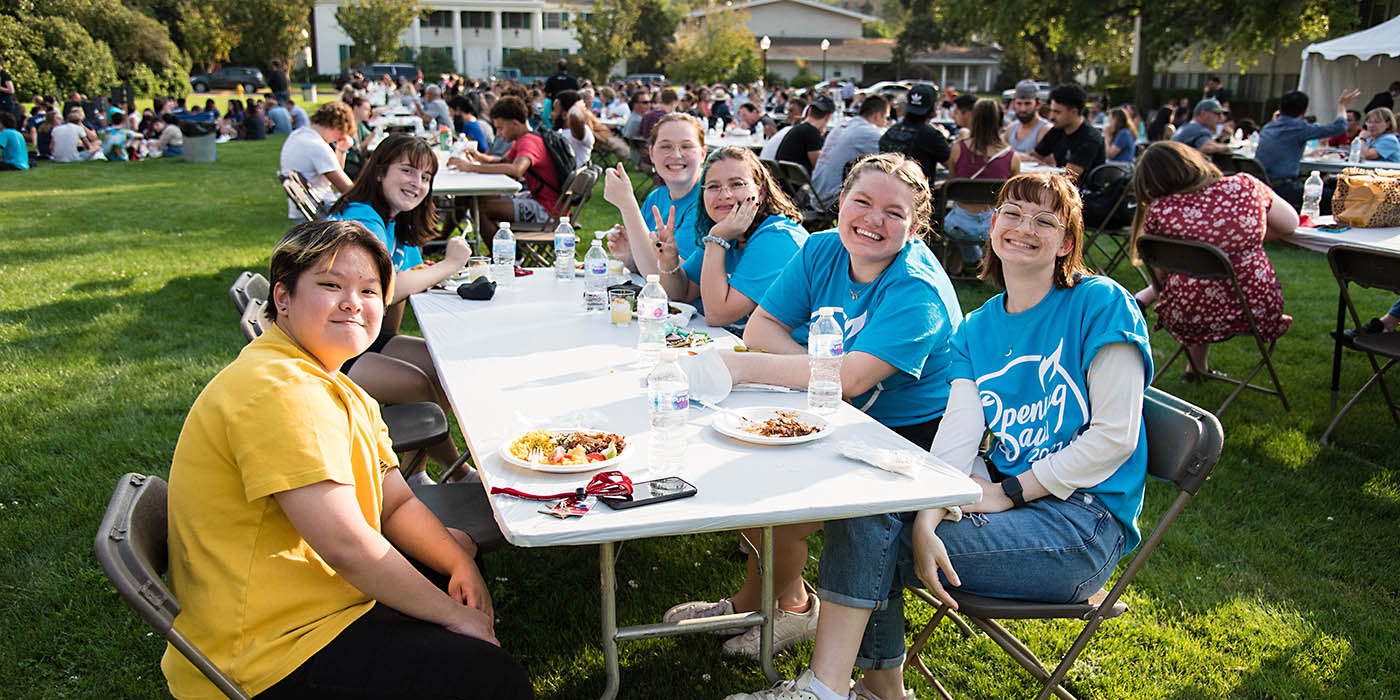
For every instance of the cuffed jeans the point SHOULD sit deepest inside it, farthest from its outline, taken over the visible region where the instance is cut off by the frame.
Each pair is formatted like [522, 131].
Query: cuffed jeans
[969, 231]
[1047, 550]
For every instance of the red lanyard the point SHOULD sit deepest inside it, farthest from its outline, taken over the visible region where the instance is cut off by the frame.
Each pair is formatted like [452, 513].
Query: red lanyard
[611, 484]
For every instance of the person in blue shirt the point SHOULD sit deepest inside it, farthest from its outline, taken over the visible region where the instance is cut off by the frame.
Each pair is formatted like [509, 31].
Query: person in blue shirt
[464, 112]
[1055, 367]
[14, 152]
[1281, 142]
[745, 231]
[1381, 142]
[281, 119]
[898, 310]
[393, 199]
[676, 147]
[1120, 135]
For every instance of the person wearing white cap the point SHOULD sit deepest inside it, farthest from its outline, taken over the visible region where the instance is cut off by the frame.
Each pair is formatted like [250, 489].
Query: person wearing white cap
[1028, 127]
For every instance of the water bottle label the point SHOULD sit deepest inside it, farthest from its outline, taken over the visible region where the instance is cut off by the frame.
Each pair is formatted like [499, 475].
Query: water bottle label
[822, 346]
[503, 248]
[564, 240]
[598, 267]
[651, 309]
[678, 401]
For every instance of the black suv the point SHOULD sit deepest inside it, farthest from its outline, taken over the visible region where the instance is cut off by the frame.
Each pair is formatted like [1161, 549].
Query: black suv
[377, 71]
[228, 78]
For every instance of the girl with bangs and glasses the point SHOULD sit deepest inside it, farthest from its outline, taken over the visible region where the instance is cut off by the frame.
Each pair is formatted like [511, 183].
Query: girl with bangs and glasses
[677, 150]
[1055, 367]
[393, 199]
[745, 231]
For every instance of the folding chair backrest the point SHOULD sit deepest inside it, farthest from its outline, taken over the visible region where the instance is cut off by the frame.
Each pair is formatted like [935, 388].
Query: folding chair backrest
[1183, 257]
[1251, 166]
[294, 185]
[1372, 269]
[131, 547]
[1183, 441]
[249, 285]
[1106, 173]
[794, 177]
[252, 320]
[972, 191]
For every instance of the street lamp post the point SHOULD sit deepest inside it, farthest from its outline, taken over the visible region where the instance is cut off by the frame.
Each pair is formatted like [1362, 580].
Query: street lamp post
[826, 44]
[763, 45]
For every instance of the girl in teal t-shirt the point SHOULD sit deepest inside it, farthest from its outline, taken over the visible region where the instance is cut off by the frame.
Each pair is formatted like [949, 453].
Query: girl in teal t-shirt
[676, 150]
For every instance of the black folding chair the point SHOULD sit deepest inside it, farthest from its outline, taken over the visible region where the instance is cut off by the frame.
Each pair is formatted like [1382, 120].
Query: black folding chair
[535, 242]
[1101, 238]
[1204, 261]
[967, 192]
[131, 548]
[796, 180]
[1370, 269]
[1183, 446]
[249, 285]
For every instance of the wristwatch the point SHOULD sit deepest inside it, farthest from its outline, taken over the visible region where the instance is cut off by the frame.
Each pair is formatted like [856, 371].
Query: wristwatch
[1011, 486]
[712, 238]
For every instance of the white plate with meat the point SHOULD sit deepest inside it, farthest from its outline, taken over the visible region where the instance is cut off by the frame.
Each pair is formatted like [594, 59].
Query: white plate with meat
[771, 425]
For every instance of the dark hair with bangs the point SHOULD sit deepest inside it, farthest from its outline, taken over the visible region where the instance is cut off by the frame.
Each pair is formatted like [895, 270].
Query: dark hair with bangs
[415, 226]
[1165, 168]
[308, 243]
[1068, 208]
[775, 201]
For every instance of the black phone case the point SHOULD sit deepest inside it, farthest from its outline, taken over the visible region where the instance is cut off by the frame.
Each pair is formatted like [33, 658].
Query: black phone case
[620, 504]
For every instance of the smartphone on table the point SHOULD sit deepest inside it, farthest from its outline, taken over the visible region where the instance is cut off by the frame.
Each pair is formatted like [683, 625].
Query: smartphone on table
[655, 491]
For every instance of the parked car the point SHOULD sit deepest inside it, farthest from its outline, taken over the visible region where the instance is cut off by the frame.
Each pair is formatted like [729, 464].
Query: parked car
[228, 78]
[647, 78]
[507, 73]
[377, 71]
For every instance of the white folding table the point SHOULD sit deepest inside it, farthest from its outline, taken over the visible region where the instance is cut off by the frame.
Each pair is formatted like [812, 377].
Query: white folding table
[530, 358]
[456, 183]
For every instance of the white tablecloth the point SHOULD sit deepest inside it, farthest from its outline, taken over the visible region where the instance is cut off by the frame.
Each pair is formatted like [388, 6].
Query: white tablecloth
[530, 358]
[1307, 165]
[745, 141]
[1380, 239]
[462, 184]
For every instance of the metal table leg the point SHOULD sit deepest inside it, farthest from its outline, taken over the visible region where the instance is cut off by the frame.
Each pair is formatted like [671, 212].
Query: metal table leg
[765, 572]
[608, 580]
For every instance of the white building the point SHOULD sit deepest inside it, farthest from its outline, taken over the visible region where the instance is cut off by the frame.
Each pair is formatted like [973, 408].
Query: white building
[796, 29]
[477, 35]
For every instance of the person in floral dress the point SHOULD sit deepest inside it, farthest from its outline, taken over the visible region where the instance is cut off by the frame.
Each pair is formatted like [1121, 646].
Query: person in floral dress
[1182, 195]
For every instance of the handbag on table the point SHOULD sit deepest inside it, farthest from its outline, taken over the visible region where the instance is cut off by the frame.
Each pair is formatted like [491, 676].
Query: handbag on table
[1367, 198]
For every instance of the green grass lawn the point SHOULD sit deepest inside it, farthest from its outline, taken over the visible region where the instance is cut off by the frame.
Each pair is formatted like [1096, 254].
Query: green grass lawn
[1279, 581]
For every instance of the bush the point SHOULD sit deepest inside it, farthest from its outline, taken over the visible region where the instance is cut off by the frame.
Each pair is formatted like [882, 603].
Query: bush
[805, 78]
[72, 60]
[434, 61]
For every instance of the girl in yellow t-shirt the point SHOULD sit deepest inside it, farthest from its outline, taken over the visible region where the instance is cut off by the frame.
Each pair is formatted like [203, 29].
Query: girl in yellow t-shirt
[299, 555]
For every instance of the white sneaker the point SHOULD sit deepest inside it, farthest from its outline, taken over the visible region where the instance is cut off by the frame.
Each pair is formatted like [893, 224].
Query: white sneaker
[860, 692]
[795, 689]
[700, 609]
[420, 479]
[789, 628]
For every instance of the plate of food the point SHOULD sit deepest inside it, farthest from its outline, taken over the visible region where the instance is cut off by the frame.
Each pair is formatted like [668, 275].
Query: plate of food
[771, 425]
[566, 451]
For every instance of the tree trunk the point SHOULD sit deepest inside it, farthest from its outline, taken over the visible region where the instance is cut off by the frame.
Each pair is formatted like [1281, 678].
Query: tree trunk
[1144, 99]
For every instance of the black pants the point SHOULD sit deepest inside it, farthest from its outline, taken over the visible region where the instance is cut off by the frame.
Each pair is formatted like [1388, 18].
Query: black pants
[920, 434]
[386, 654]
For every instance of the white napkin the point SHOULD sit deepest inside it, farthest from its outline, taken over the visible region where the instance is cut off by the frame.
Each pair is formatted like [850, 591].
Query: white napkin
[709, 379]
[903, 461]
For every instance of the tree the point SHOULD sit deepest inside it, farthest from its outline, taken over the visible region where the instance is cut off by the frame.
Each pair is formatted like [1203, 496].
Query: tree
[656, 30]
[607, 36]
[141, 49]
[717, 46]
[374, 27]
[70, 60]
[269, 28]
[531, 62]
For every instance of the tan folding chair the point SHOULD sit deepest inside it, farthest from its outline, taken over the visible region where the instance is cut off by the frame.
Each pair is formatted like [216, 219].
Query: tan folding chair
[131, 548]
[1370, 269]
[1101, 238]
[1204, 261]
[299, 191]
[1183, 445]
[249, 285]
[959, 190]
[535, 242]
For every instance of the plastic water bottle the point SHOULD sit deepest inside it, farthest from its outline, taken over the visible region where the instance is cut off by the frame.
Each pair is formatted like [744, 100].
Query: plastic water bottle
[564, 250]
[595, 278]
[503, 256]
[1355, 155]
[668, 391]
[1312, 195]
[825, 346]
[651, 312]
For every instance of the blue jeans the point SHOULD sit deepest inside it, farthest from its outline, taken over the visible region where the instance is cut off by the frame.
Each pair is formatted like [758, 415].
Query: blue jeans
[1048, 550]
[968, 231]
[1395, 310]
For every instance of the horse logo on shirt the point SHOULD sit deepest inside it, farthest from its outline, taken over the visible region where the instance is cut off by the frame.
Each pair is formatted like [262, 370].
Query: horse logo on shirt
[1030, 425]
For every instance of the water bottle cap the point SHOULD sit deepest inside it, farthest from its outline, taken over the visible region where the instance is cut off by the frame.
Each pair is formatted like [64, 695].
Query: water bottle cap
[503, 226]
[564, 219]
[597, 243]
[828, 310]
[668, 354]
[653, 278]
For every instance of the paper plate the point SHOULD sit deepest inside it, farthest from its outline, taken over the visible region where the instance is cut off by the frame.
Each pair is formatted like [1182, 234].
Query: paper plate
[728, 424]
[564, 468]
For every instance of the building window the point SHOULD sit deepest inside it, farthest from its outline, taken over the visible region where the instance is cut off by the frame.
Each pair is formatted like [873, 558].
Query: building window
[515, 20]
[585, 16]
[476, 20]
[556, 20]
[440, 19]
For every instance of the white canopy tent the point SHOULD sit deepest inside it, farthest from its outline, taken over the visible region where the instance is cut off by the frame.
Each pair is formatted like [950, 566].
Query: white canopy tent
[1368, 60]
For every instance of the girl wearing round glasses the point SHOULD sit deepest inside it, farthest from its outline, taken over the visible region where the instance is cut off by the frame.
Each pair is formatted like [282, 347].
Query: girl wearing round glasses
[898, 309]
[745, 233]
[676, 149]
[1055, 367]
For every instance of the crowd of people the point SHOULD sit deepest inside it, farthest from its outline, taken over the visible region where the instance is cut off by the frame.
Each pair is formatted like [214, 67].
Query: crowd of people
[353, 578]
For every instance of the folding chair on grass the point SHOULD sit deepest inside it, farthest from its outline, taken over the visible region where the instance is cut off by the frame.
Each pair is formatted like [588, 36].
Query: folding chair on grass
[249, 285]
[1204, 261]
[299, 191]
[1370, 269]
[535, 242]
[643, 163]
[1183, 445]
[794, 178]
[959, 190]
[131, 547]
[1101, 238]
